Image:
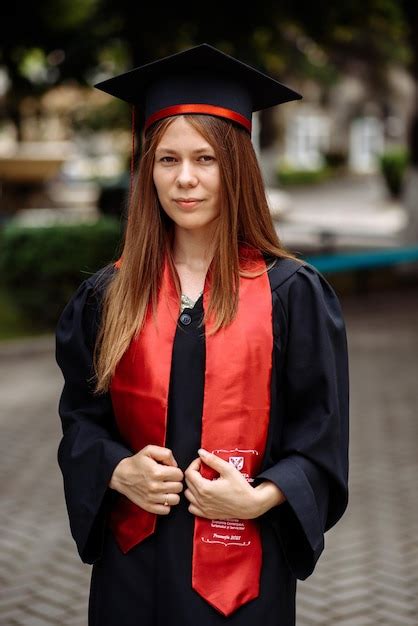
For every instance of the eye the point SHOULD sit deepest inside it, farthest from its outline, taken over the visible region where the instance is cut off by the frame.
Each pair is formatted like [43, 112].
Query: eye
[207, 158]
[167, 159]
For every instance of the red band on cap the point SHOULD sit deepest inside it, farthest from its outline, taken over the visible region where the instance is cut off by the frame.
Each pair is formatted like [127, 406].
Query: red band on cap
[209, 109]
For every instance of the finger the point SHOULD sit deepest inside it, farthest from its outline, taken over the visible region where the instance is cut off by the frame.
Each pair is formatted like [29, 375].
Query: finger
[196, 511]
[195, 480]
[166, 473]
[151, 507]
[193, 471]
[191, 497]
[158, 453]
[192, 488]
[170, 487]
[215, 462]
[195, 464]
[171, 498]
[160, 509]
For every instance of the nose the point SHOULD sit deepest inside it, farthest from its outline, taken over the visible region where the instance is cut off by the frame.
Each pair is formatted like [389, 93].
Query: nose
[186, 175]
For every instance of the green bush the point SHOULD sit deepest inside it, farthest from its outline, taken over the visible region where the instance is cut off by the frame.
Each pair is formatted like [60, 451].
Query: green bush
[288, 176]
[393, 164]
[12, 324]
[41, 267]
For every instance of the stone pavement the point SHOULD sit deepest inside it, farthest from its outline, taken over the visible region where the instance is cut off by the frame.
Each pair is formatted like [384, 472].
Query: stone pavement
[353, 211]
[368, 574]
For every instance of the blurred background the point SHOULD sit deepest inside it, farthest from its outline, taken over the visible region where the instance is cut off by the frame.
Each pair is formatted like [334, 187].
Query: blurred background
[341, 174]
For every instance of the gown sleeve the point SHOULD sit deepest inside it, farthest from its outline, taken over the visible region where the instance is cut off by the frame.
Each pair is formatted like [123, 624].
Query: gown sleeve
[313, 389]
[90, 448]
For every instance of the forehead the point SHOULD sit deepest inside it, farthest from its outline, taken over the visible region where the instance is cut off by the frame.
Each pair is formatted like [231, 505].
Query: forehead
[181, 134]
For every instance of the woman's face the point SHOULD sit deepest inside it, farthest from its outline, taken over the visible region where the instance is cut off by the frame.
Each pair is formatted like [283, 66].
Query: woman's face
[186, 176]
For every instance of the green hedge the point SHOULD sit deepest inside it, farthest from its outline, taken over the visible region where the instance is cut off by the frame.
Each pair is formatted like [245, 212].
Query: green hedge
[41, 267]
[288, 176]
[393, 164]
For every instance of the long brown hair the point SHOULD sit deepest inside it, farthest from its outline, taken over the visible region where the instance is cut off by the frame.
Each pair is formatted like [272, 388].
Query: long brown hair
[244, 218]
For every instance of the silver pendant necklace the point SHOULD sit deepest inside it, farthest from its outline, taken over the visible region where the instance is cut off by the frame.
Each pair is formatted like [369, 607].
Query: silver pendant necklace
[188, 302]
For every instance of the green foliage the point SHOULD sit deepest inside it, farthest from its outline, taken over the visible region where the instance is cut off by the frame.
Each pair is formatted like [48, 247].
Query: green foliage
[41, 267]
[393, 164]
[68, 15]
[288, 39]
[288, 176]
[12, 324]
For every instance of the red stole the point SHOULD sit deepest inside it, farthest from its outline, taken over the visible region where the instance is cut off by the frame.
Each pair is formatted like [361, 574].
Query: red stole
[227, 554]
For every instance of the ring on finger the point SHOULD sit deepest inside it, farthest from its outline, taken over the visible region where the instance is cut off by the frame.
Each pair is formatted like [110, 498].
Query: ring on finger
[166, 500]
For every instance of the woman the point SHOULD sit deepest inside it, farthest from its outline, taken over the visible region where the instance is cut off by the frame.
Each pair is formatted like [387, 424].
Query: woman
[205, 405]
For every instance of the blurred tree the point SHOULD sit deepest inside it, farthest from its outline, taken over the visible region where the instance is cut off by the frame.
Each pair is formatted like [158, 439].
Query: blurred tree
[40, 47]
[87, 40]
[48, 42]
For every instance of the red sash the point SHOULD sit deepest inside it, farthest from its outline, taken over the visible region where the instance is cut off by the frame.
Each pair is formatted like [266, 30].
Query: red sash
[227, 554]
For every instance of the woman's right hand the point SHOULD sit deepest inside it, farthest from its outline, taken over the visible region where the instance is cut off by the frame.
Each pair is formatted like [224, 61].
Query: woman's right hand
[149, 477]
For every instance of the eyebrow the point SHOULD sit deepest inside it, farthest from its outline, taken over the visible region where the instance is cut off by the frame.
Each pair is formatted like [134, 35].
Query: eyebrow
[198, 151]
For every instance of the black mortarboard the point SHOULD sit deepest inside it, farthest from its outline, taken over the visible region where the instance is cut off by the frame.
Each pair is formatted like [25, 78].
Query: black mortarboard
[199, 80]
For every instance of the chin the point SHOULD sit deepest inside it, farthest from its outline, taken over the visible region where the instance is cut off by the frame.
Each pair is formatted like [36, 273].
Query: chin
[192, 223]
[189, 226]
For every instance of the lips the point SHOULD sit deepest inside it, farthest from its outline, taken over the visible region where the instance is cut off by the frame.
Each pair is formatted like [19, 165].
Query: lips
[190, 203]
[187, 199]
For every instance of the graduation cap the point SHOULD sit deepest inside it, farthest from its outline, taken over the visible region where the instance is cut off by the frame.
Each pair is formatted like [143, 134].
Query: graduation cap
[201, 79]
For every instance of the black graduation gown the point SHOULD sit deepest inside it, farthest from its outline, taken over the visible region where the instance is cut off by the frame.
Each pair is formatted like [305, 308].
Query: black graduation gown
[306, 456]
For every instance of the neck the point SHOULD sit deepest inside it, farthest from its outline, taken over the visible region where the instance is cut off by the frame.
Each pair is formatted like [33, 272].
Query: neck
[193, 248]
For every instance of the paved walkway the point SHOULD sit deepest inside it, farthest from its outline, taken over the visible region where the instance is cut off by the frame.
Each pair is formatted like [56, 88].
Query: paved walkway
[355, 211]
[368, 574]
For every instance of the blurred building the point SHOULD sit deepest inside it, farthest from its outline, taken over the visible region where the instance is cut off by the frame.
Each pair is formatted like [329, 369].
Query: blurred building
[349, 122]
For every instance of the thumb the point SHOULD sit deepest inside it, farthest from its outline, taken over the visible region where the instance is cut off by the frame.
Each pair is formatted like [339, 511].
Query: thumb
[215, 462]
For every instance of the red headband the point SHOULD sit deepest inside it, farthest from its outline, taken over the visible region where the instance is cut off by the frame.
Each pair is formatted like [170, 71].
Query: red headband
[208, 109]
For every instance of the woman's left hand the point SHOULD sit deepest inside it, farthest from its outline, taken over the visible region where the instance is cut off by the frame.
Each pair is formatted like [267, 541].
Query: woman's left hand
[227, 497]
